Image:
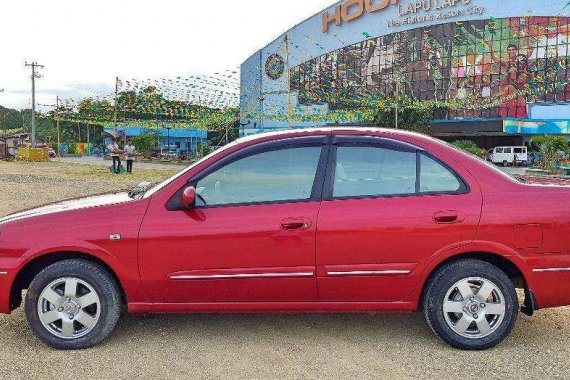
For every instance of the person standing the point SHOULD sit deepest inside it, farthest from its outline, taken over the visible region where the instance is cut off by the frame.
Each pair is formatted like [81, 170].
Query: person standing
[115, 153]
[130, 152]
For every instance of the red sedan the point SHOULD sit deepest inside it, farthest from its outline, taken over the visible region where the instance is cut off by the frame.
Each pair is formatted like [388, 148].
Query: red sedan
[320, 220]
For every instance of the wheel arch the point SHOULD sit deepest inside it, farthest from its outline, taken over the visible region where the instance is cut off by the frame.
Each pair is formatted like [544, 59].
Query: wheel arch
[32, 268]
[505, 264]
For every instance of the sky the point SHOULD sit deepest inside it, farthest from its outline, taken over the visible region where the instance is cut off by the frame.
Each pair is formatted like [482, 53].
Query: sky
[84, 45]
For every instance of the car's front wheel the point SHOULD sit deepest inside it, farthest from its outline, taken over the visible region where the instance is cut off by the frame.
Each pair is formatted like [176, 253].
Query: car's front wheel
[73, 304]
[471, 304]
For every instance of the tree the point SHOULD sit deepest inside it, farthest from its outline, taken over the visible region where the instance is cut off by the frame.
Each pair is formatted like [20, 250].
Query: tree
[145, 143]
[469, 147]
[413, 115]
[549, 146]
[202, 149]
[10, 119]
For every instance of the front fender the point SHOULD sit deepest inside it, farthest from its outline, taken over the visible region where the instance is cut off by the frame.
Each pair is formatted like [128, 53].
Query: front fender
[124, 268]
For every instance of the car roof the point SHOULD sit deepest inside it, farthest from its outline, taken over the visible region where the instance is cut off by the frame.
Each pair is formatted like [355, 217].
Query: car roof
[332, 131]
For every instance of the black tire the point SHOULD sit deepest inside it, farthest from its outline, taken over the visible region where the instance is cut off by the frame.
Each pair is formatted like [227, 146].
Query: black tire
[99, 279]
[444, 280]
[505, 163]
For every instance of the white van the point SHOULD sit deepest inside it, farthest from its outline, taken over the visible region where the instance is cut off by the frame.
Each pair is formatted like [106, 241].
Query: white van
[506, 155]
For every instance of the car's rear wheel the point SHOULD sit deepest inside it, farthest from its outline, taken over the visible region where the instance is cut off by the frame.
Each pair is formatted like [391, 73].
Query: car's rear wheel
[505, 163]
[471, 304]
[73, 304]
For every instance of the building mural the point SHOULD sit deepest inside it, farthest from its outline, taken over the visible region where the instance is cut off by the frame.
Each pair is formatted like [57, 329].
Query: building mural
[479, 61]
[491, 68]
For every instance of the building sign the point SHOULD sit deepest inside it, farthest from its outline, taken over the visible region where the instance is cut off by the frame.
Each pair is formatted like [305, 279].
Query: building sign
[274, 66]
[409, 12]
[536, 127]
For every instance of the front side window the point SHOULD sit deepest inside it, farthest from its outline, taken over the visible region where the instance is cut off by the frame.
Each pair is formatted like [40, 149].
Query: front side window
[367, 171]
[507, 150]
[272, 176]
[499, 150]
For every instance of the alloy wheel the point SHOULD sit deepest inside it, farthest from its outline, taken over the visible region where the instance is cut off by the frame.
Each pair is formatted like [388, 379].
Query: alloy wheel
[69, 308]
[474, 307]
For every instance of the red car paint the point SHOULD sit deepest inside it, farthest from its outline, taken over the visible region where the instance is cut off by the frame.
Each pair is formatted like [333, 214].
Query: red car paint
[369, 254]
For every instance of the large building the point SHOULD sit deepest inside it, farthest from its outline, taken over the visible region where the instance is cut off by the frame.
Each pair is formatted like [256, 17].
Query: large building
[500, 69]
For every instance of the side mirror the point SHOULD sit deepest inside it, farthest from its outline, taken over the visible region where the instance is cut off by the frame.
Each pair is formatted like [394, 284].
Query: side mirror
[188, 198]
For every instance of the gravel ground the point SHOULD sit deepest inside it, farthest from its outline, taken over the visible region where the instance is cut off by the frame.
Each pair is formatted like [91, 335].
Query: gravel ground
[258, 346]
[138, 164]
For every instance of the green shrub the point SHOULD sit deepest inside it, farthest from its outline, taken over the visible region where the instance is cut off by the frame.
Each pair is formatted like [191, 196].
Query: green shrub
[145, 143]
[549, 147]
[470, 147]
[202, 149]
[72, 148]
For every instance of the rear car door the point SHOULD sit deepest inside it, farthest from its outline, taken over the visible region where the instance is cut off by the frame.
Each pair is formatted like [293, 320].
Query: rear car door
[388, 208]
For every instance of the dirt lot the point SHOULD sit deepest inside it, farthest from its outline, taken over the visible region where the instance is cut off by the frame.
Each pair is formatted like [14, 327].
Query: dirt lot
[257, 346]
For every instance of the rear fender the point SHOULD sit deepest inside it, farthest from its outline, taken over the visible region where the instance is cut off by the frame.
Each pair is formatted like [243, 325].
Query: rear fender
[475, 247]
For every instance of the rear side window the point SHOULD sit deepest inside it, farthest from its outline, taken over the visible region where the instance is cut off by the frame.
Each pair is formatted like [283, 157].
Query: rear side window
[436, 178]
[518, 150]
[507, 150]
[370, 171]
[365, 171]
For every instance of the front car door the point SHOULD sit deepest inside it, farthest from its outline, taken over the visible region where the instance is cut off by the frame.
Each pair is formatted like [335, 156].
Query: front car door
[251, 236]
[388, 208]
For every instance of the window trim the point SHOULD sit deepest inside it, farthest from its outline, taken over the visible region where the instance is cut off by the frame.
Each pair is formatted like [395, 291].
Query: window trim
[395, 145]
[322, 141]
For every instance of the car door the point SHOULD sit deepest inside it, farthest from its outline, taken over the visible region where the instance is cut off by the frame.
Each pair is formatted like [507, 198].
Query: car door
[388, 208]
[251, 236]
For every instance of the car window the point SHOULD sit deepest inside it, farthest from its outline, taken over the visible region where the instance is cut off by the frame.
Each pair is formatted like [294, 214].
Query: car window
[277, 175]
[518, 150]
[436, 178]
[507, 150]
[372, 171]
[499, 150]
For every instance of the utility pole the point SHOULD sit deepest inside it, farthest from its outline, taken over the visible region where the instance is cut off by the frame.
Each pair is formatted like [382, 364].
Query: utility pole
[398, 82]
[397, 108]
[57, 125]
[289, 108]
[116, 100]
[56, 117]
[35, 75]
[168, 141]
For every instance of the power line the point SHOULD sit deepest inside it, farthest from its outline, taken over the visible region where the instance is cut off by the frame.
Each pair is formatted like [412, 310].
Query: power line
[35, 75]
